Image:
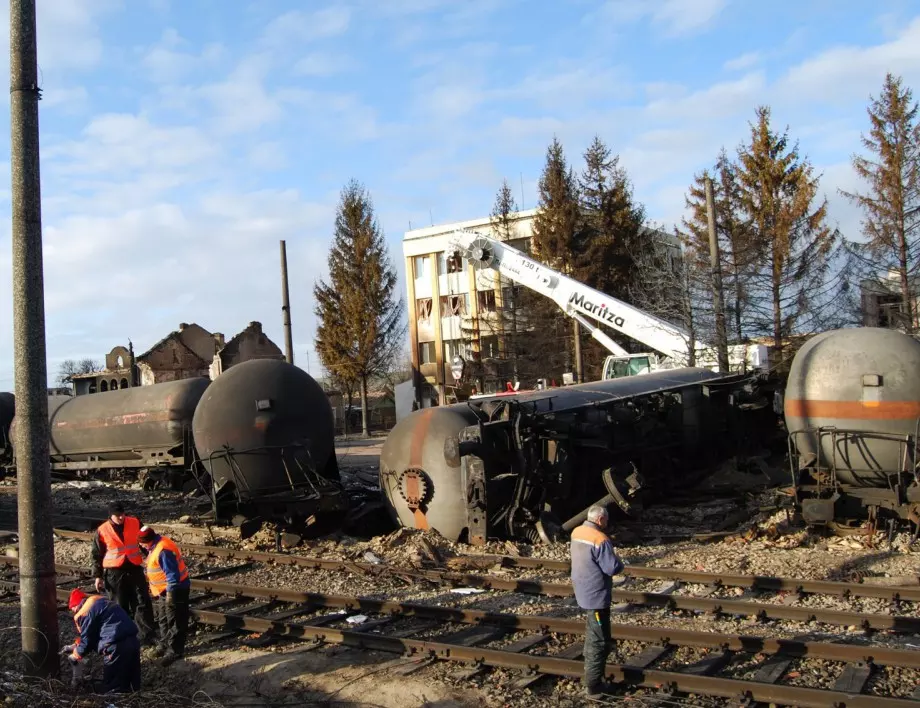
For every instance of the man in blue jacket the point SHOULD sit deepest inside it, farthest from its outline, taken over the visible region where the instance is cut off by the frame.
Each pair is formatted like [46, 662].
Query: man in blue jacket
[106, 628]
[594, 561]
[169, 583]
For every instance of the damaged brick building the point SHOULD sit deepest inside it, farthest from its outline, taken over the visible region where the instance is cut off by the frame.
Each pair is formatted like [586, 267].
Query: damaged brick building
[188, 352]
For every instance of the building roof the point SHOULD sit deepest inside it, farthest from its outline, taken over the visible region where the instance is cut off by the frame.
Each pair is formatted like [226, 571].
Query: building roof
[175, 335]
[439, 229]
[101, 372]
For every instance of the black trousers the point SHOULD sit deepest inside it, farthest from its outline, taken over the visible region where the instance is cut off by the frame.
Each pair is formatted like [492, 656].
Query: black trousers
[172, 617]
[121, 666]
[597, 645]
[127, 586]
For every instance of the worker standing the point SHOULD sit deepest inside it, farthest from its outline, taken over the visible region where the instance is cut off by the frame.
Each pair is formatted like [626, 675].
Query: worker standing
[106, 628]
[118, 568]
[594, 561]
[169, 585]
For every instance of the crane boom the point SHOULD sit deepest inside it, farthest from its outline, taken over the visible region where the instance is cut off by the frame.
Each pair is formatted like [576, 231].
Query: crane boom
[581, 302]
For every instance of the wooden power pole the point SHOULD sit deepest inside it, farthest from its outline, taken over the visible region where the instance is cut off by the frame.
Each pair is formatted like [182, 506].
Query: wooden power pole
[36, 542]
[286, 307]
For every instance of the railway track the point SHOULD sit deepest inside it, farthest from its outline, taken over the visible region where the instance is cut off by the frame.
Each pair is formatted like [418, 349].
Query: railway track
[785, 610]
[672, 662]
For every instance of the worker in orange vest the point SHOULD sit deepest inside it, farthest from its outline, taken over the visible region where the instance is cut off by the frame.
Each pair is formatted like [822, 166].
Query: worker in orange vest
[118, 568]
[169, 585]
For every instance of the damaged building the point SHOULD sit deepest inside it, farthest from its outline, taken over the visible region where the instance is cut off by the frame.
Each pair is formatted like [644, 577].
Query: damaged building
[188, 352]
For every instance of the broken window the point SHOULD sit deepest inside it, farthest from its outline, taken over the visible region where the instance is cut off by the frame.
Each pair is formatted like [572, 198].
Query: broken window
[488, 347]
[124, 383]
[120, 362]
[455, 347]
[113, 386]
[103, 386]
[422, 267]
[426, 353]
[486, 299]
[423, 308]
[452, 305]
[449, 262]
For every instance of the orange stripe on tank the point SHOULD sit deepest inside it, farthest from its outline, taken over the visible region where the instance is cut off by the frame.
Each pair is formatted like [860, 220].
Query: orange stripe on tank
[416, 448]
[874, 410]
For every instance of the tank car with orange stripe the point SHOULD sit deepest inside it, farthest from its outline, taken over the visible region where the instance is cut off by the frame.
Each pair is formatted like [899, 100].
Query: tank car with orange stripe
[852, 410]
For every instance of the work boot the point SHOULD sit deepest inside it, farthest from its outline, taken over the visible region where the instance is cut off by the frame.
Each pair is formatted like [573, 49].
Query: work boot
[599, 688]
[169, 657]
[158, 651]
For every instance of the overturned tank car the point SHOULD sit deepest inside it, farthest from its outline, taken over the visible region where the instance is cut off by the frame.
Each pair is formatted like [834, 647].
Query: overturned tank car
[852, 409]
[264, 434]
[7, 413]
[528, 466]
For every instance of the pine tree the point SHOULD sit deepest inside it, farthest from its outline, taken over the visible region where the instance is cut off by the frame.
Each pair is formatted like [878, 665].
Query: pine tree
[555, 242]
[611, 223]
[891, 206]
[793, 284]
[502, 222]
[360, 316]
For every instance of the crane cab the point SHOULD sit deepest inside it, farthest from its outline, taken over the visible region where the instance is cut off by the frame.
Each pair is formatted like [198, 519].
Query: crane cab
[618, 367]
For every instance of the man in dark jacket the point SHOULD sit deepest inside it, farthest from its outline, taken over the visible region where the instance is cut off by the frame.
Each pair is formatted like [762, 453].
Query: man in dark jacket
[170, 586]
[106, 628]
[118, 568]
[594, 561]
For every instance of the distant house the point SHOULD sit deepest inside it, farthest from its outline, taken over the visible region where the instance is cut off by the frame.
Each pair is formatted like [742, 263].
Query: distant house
[188, 352]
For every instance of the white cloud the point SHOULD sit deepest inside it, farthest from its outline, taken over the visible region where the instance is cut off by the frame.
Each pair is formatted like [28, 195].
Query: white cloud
[323, 64]
[241, 103]
[672, 18]
[743, 62]
[848, 73]
[166, 63]
[721, 100]
[299, 26]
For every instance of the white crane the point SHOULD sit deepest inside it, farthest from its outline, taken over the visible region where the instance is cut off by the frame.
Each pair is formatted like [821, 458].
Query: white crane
[669, 342]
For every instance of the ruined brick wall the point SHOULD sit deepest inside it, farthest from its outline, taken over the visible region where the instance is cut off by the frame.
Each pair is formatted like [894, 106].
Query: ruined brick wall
[170, 362]
[249, 344]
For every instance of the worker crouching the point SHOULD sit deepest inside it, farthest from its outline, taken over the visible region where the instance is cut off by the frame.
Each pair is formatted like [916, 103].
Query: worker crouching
[106, 628]
[169, 585]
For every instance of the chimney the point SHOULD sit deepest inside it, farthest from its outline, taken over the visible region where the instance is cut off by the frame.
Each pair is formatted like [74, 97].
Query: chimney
[256, 327]
[182, 326]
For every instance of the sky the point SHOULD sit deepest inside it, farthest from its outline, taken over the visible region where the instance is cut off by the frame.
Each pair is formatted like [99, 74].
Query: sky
[182, 139]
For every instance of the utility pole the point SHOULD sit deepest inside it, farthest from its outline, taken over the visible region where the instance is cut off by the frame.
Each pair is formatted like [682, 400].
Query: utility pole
[36, 543]
[718, 299]
[286, 307]
[579, 362]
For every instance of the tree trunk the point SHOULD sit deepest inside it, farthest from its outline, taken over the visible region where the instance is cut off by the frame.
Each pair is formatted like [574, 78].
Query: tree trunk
[777, 308]
[364, 406]
[906, 300]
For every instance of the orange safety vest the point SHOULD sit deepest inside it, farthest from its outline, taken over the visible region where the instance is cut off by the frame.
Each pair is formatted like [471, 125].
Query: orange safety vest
[118, 550]
[156, 576]
[82, 612]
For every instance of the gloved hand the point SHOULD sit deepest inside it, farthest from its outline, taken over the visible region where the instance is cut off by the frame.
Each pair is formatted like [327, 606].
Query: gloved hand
[100, 585]
[68, 649]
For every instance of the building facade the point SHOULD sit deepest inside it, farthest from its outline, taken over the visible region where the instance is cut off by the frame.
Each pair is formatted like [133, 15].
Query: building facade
[452, 308]
[456, 311]
[881, 304]
[188, 352]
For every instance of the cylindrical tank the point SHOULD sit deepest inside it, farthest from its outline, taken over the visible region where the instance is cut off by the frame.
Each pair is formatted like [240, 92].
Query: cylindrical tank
[274, 418]
[420, 464]
[131, 424]
[7, 412]
[420, 457]
[864, 383]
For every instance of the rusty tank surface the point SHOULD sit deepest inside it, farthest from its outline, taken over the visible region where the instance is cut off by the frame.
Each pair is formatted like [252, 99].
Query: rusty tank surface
[852, 411]
[144, 426]
[265, 436]
[525, 466]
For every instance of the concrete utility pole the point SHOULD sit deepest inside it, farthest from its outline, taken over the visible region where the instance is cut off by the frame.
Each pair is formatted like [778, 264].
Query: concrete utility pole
[718, 299]
[36, 542]
[579, 361]
[286, 307]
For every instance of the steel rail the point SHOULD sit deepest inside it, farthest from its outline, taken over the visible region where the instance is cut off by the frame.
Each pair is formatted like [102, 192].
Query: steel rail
[554, 666]
[657, 635]
[762, 611]
[751, 582]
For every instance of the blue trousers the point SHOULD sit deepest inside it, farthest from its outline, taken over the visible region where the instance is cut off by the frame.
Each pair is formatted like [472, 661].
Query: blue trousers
[121, 666]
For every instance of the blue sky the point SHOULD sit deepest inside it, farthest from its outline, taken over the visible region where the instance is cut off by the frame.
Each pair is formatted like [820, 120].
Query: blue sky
[181, 139]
